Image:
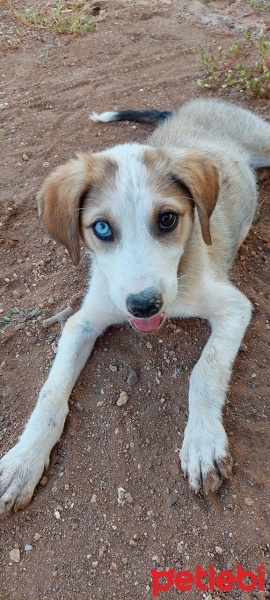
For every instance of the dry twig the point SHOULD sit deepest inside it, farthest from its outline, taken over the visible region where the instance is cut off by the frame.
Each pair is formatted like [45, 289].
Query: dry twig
[60, 317]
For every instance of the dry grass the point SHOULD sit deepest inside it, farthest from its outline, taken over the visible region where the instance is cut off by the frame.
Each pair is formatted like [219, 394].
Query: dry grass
[264, 4]
[233, 68]
[60, 17]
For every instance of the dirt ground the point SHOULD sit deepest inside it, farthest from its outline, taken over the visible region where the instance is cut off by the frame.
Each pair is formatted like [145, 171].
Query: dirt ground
[75, 540]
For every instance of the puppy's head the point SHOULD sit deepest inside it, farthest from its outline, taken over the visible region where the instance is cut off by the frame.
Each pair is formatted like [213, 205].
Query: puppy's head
[134, 208]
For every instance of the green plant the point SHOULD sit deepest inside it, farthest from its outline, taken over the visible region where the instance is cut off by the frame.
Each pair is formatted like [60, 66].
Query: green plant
[65, 18]
[259, 4]
[233, 69]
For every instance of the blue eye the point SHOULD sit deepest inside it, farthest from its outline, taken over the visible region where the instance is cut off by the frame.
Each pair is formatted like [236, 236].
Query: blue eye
[102, 230]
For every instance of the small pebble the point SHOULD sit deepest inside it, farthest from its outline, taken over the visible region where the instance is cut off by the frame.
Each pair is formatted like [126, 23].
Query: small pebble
[172, 499]
[15, 555]
[28, 548]
[180, 546]
[218, 550]
[57, 514]
[19, 326]
[123, 398]
[249, 501]
[46, 240]
[133, 543]
[121, 495]
[132, 378]
[37, 537]
[16, 294]
[128, 498]
[231, 564]
[113, 368]
[101, 551]
[79, 407]
[44, 480]
[25, 157]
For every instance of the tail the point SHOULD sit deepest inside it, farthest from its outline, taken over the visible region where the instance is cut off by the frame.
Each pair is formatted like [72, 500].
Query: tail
[147, 116]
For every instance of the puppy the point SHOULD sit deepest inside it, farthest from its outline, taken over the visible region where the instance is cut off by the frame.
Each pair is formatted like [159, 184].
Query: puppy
[162, 223]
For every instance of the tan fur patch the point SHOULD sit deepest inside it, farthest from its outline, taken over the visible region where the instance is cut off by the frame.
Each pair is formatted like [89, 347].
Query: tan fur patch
[176, 201]
[200, 175]
[195, 170]
[61, 196]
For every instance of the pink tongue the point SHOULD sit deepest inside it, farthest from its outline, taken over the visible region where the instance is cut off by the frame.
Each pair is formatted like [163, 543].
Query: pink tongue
[146, 325]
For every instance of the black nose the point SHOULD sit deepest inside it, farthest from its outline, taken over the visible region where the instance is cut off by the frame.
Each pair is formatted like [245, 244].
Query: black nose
[146, 304]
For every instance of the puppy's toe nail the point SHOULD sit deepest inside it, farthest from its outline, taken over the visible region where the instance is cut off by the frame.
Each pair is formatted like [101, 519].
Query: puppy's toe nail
[225, 465]
[195, 484]
[217, 469]
[22, 500]
[184, 469]
[211, 482]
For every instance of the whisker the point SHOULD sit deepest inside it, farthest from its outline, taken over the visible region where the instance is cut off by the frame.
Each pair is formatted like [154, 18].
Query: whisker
[183, 277]
[183, 288]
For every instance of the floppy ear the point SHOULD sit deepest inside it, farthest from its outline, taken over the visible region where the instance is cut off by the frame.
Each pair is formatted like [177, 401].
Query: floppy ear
[200, 175]
[59, 202]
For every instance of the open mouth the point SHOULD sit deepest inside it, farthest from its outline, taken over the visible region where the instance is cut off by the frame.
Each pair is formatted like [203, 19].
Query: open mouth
[147, 325]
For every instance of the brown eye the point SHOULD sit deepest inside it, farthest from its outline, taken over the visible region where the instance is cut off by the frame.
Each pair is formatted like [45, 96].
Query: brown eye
[167, 221]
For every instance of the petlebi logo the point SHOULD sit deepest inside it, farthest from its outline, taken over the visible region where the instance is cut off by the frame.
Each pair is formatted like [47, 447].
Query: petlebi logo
[208, 580]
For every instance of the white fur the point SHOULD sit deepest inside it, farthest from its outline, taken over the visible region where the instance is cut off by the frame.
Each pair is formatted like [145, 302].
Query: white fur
[125, 267]
[139, 261]
[104, 117]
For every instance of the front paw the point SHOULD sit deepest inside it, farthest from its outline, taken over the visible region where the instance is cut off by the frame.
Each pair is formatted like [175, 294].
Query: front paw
[204, 456]
[20, 471]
